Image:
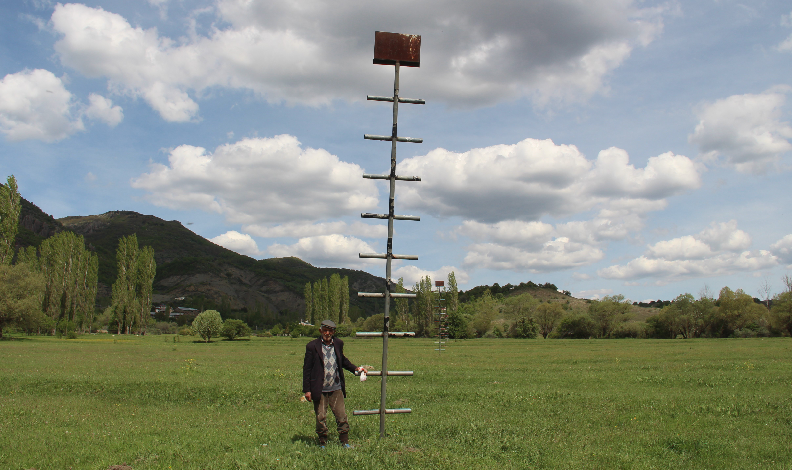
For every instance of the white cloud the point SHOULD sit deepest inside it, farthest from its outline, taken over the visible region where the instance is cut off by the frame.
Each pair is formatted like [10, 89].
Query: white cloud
[102, 109]
[664, 175]
[312, 52]
[786, 45]
[260, 181]
[327, 250]
[34, 104]
[720, 249]
[593, 294]
[783, 249]
[298, 229]
[746, 130]
[532, 178]
[90, 177]
[241, 243]
[413, 274]
[556, 254]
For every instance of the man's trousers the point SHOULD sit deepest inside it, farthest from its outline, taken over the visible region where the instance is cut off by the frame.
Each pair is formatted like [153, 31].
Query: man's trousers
[336, 402]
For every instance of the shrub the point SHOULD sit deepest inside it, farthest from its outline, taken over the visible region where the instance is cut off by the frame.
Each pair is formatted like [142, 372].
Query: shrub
[342, 331]
[628, 330]
[575, 326]
[233, 328]
[525, 327]
[208, 324]
[165, 328]
[185, 331]
[276, 330]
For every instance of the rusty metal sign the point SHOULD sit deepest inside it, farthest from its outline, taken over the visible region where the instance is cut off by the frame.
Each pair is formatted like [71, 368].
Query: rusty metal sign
[390, 48]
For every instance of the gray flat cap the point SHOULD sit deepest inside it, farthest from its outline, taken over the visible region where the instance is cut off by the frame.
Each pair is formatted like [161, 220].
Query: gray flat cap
[329, 324]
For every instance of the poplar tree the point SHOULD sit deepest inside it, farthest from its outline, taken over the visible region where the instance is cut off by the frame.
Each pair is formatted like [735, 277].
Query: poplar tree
[146, 271]
[70, 274]
[324, 299]
[334, 297]
[423, 307]
[318, 305]
[452, 295]
[309, 313]
[344, 315]
[9, 219]
[402, 304]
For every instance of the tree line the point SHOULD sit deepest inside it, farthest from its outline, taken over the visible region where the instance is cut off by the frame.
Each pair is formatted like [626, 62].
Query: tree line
[52, 288]
[327, 299]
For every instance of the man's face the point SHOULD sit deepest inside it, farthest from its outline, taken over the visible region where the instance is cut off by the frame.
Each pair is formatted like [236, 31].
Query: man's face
[327, 333]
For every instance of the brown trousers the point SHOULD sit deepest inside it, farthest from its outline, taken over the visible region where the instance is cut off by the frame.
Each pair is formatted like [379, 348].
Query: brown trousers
[336, 402]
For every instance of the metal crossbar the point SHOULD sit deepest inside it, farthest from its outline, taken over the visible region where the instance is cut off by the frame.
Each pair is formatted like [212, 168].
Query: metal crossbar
[397, 50]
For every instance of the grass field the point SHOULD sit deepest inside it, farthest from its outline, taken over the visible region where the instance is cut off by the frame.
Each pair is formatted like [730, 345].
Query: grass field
[151, 403]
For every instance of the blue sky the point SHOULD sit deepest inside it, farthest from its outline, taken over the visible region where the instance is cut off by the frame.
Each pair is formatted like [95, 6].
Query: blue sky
[608, 146]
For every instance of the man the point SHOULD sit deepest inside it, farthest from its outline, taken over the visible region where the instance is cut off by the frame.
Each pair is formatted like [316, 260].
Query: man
[323, 381]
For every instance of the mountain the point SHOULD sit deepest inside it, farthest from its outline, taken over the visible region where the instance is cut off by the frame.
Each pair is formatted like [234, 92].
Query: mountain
[190, 266]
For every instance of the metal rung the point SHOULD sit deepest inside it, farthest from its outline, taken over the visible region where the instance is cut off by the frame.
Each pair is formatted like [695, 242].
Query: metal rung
[414, 140]
[439, 349]
[401, 100]
[393, 295]
[401, 373]
[388, 411]
[369, 334]
[385, 256]
[387, 177]
[367, 215]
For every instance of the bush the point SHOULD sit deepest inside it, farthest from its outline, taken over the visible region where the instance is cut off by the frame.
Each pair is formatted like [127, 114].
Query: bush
[341, 331]
[165, 328]
[276, 330]
[233, 328]
[524, 328]
[185, 331]
[628, 330]
[575, 326]
[208, 324]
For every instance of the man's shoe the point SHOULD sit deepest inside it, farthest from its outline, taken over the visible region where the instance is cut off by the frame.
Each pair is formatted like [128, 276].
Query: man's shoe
[346, 446]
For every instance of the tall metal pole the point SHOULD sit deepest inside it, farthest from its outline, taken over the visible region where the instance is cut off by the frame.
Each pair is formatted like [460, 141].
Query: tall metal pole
[391, 198]
[391, 49]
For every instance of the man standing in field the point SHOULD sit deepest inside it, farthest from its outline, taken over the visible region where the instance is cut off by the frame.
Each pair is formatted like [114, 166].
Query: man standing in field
[323, 381]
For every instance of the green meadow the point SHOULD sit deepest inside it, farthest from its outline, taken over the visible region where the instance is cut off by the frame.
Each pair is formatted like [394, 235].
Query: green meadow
[152, 403]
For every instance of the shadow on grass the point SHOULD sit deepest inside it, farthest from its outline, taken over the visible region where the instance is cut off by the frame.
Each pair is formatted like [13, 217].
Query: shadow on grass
[15, 338]
[305, 439]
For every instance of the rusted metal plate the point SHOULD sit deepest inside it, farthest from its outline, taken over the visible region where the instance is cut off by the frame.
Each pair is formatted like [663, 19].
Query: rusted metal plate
[392, 47]
[439, 283]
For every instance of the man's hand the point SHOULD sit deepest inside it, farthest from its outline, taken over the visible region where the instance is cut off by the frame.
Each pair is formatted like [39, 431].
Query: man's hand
[308, 396]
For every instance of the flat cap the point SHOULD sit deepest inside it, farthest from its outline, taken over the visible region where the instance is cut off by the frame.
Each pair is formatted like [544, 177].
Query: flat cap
[329, 324]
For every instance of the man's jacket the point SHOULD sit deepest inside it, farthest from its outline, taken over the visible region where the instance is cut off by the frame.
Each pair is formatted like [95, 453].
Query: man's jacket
[313, 367]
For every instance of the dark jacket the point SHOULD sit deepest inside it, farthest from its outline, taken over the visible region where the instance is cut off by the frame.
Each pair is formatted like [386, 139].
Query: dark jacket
[313, 366]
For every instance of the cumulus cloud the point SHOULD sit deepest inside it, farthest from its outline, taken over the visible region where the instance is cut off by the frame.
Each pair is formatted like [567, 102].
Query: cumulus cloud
[559, 253]
[298, 229]
[532, 178]
[34, 104]
[241, 243]
[413, 274]
[473, 53]
[783, 249]
[262, 181]
[502, 191]
[720, 249]
[102, 109]
[593, 294]
[786, 45]
[327, 250]
[745, 130]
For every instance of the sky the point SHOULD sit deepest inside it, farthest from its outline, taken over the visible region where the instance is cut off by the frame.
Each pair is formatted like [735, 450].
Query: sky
[608, 147]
